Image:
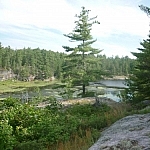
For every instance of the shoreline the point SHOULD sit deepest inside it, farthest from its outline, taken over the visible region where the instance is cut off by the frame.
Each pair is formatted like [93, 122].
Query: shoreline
[116, 78]
[82, 101]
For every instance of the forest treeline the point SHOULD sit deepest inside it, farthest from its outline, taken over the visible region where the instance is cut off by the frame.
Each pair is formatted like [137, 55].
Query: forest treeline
[44, 64]
[116, 65]
[25, 62]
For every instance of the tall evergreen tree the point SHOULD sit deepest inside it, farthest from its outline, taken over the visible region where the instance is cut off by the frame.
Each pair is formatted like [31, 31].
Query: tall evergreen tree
[76, 68]
[139, 82]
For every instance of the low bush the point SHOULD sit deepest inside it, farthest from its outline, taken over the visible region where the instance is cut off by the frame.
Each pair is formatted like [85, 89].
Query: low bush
[76, 127]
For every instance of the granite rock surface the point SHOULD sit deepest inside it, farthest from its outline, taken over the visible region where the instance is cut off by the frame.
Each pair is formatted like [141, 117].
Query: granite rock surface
[129, 133]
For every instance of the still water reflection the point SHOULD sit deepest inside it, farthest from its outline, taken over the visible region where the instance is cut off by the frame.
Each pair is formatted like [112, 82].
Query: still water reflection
[110, 89]
[113, 83]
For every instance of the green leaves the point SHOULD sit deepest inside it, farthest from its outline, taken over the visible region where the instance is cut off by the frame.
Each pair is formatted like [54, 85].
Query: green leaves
[27, 127]
[7, 139]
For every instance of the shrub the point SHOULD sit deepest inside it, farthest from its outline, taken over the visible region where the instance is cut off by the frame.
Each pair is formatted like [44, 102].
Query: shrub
[7, 139]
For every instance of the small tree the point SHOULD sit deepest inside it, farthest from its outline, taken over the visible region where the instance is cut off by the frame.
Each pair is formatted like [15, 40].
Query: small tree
[76, 69]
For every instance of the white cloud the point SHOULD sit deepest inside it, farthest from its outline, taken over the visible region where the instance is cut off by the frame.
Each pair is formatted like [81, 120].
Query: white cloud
[117, 50]
[117, 18]
[122, 19]
[42, 13]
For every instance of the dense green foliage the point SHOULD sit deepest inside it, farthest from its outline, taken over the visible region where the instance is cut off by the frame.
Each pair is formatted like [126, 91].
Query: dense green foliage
[24, 126]
[116, 66]
[25, 62]
[139, 86]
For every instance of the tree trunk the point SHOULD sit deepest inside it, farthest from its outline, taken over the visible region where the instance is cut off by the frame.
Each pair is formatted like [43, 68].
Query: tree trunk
[83, 90]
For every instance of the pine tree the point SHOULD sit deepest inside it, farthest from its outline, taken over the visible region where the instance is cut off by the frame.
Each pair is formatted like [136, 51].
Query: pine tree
[76, 68]
[139, 81]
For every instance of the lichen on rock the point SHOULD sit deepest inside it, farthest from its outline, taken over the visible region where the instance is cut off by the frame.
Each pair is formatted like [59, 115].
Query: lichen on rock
[129, 133]
[127, 144]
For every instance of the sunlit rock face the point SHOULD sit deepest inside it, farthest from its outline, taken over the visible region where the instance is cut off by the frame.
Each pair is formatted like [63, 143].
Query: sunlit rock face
[129, 133]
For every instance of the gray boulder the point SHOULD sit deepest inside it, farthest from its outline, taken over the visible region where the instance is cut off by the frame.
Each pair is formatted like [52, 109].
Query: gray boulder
[129, 133]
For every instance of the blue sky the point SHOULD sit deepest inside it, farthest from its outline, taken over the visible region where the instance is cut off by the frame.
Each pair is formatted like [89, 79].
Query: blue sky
[42, 23]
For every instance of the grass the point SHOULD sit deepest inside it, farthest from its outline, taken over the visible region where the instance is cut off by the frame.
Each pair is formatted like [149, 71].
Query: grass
[77, 142]
[17, 86]
[90, 136]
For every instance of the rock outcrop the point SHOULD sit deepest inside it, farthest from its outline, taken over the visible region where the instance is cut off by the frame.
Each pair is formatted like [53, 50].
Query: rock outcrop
[129, 133]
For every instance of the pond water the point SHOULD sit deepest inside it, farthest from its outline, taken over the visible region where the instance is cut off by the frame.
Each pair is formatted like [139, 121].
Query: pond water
[106, 88]
[113, 83]
[112, 93]
[111, 88]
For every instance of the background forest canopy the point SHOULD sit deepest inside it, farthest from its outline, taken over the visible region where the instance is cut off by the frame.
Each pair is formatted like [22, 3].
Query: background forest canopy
[44, 64]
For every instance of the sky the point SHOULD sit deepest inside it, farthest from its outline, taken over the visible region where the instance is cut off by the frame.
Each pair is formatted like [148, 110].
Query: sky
[43, 23]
